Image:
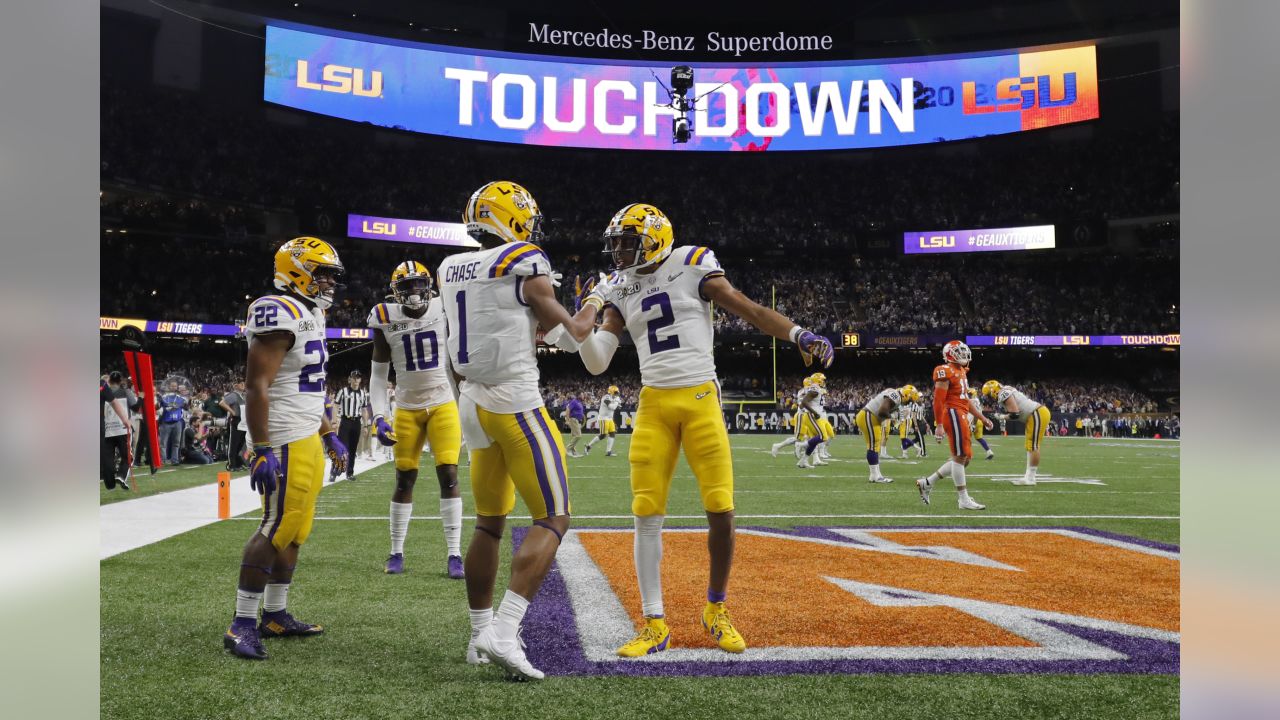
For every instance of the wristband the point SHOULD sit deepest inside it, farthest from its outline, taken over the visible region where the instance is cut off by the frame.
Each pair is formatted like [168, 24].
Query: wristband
[795, 333]
[595, 302]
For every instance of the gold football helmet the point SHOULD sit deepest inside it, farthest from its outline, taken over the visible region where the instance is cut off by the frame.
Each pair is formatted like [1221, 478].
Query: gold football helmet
[299, 261]
[506, 210]
[640, 229]
[808, 382]
[910, 394]
[411, 284]
[613, 389]
[991, 388]
[819, 379]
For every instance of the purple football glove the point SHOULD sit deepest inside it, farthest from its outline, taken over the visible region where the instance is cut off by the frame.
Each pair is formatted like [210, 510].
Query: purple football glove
[815, 347]
[584, 288]
[386, 435]
[336, 451]
[264, 470]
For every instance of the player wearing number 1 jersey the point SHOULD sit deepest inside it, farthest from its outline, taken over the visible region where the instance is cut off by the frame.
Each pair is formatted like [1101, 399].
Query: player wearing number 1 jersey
[494, 299]
[290, 435]
[410, 334]
[662, 294]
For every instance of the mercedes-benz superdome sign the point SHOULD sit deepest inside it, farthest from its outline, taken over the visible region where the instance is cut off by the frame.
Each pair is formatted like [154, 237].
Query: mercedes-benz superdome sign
[577, 102]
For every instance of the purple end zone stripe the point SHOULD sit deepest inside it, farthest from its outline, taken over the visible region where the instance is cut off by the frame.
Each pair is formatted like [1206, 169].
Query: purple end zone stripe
[538, 465]
[493, 271]
[555, 646]
[280, 490]
[541, 415]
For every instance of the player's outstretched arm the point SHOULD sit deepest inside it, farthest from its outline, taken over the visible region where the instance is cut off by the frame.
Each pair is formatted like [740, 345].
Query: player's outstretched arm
[597, 350]
[541, 297]
[266, 353]
[771, 322]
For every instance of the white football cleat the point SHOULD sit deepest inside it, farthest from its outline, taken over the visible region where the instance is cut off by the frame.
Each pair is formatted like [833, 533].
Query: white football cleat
[804, 464]
[819, 461]
[926, 488]
[968, 503]
[990, 455]
[880, 479]
[509, 656]
[1022, 481]
[774, 450]
[473, 657]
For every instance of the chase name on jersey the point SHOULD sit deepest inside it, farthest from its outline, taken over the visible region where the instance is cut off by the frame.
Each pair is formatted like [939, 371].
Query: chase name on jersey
[462, 273]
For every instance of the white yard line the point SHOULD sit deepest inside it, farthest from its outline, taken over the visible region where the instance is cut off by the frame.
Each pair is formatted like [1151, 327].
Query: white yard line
[131, 524]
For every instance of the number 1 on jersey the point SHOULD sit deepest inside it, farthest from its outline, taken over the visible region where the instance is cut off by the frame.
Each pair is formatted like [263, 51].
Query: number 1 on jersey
[462, 327]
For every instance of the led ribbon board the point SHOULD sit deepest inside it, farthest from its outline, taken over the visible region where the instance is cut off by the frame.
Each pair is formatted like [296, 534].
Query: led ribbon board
[576, 102]
[1167, 339]
[424, 232]
[178, 327]
[932, 242]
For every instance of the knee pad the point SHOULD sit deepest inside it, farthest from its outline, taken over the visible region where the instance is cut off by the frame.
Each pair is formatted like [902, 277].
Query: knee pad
[644, 504]
[718, 501]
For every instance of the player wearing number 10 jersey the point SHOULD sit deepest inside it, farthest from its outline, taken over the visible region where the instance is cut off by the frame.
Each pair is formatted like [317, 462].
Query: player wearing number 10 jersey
[410, 334]
[285, 411]
[662, 294]
[494, 299]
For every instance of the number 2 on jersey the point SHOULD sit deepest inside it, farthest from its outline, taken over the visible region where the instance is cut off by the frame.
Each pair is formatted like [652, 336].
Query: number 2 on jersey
[666, 318]
[311, 377]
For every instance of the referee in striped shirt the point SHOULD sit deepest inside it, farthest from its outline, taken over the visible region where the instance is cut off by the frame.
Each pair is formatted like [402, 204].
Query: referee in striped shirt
[352, 403]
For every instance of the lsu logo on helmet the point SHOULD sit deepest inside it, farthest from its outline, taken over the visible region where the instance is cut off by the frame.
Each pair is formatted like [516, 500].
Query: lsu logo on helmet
[910, 393]
[411, 284]
[641, 229]
[506, 210]
[991, 388]
[299, 261]
[613, 389]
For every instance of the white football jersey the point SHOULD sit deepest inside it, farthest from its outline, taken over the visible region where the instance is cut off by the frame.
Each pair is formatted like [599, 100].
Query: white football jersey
[810, 399]
[883, 405]
[669, 319]
[1025, 404]
[608, 405]
[417, 353]
[492, 331]
[296, 394]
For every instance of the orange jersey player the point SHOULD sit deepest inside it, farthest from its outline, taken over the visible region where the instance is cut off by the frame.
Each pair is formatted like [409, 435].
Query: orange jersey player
[951, 408]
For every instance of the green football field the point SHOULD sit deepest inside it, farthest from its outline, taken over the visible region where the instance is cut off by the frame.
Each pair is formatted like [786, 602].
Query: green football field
[394, 644]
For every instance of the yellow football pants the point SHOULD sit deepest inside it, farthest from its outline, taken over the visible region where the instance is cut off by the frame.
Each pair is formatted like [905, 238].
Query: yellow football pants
[526, 455]
[871, 428]
[666, 420]
[438, 424]
[288, 512]
[1037, 426]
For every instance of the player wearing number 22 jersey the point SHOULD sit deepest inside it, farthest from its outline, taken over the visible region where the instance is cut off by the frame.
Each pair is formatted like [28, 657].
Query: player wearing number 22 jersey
[410, 335]
[494, 299]
[662, 294]
[290, 435]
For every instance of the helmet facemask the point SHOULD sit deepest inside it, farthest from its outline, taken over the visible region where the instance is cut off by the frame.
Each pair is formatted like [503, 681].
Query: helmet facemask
[322, 293]
[626, 249]
[414, 292]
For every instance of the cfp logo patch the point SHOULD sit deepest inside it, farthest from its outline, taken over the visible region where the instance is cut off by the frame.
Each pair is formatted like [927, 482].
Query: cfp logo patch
[340, 79]
[928, 242]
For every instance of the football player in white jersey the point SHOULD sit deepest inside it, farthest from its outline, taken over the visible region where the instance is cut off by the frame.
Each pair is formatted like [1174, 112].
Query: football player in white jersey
[410, 334]
[1020, 407]
[290, 436]
[494, 299]
[870, 421]
[975, 426]
[662, 294]
[605, 424]
[814, 428]
[803, 428]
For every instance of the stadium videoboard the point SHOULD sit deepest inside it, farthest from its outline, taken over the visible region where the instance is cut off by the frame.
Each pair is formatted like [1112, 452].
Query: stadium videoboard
[577, 102]
[423, 232]
[932, 242]
[1167, 339]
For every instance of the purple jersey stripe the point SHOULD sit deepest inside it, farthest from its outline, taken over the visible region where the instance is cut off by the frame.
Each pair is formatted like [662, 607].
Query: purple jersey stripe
[529, 252]
[500, 263]
[280, 491]
[535, 448]
[541, 415]
[279, 302]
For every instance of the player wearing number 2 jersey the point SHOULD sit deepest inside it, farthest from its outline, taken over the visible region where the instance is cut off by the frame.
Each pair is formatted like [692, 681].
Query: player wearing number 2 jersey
[494, 299]
[285, 411]
[662, 294]
[410, 334]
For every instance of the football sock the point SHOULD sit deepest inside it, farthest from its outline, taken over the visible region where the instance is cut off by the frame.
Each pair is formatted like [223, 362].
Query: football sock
[812, 445]
[957, 476]
[247, 604]
[591, 443]
[1031, 471]
[481, 619]
[648, 559]
[275, 597]
[983, 443]
[941, 472]
[507, 620]
[608, 444]
[400, 514]
[873, 459]
[451, 517]
[799, 450]
[715, 597]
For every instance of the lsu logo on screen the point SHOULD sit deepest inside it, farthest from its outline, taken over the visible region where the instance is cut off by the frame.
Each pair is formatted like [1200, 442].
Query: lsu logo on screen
[378, 228]
[1017, 93]
[1077, 340]
[936, 241]
[340, 79]
[874, 600]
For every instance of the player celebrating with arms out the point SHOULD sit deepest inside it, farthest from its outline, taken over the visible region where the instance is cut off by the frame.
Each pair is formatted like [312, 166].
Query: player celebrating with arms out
[1036, 416]
[607, 428]
[870, 423]
[410, 334]
[494, 299]
[951, 406]
[284, 404]
[663, 295]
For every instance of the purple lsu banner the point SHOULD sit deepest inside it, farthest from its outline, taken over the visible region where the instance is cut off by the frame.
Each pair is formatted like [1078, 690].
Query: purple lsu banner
[175, 327]
[577, 102]
[1171, 339]
[1031, 237]
[424, 232]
